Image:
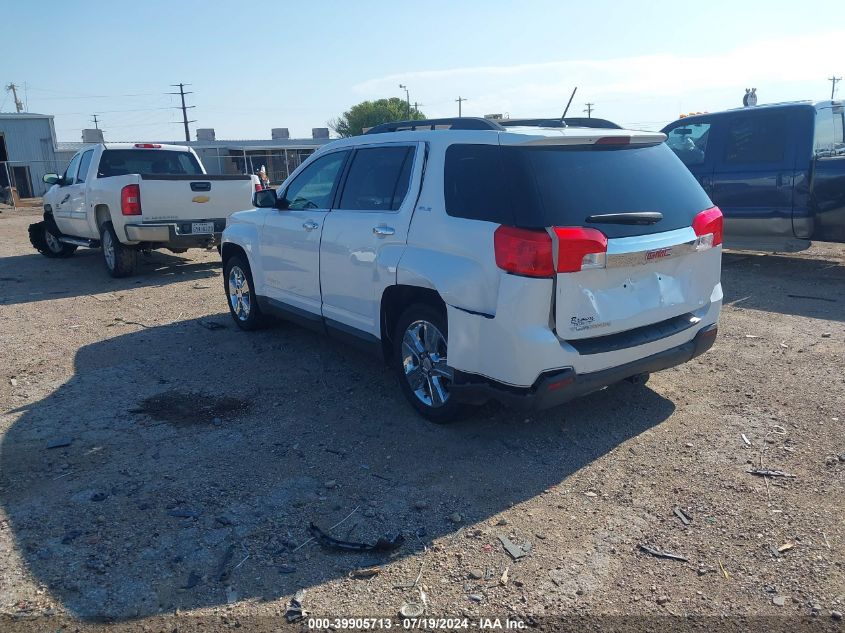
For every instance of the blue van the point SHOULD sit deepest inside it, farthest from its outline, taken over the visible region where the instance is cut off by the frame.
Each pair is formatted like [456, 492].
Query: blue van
[776, 171]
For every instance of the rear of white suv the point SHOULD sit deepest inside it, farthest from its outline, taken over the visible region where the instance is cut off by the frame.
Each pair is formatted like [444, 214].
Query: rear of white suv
[528, 265]
[609, 263]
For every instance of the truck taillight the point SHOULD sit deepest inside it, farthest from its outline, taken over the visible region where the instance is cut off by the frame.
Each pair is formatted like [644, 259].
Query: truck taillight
[708, 226]
[258, 187]
[529, 252]
[579, 248]
[524, 251]
[130, 200]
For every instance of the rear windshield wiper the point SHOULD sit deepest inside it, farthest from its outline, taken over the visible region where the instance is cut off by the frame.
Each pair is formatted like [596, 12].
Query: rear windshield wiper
[636, 217]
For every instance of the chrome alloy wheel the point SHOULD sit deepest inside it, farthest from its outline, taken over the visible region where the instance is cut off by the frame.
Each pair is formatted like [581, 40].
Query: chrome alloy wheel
[424, 363]
[53, 242]
[108, 249]
[240, 297]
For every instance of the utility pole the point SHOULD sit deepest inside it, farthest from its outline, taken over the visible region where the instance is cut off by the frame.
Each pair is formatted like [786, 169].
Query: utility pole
[460, 101]
[95, 122]
[833, 81]
[14, 90]
[589, 109]
[417, 106]
[407, 98]
[184, 108]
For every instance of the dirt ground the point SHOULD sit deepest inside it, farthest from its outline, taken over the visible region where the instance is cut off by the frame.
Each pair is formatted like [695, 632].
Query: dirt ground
[192, 458]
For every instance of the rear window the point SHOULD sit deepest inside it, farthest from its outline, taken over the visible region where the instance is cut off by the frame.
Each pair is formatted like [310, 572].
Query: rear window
[119, 162]
[535, 187]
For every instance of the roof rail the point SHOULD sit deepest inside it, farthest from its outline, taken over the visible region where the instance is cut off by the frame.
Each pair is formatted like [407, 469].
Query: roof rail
[567, 122]
[459, 123]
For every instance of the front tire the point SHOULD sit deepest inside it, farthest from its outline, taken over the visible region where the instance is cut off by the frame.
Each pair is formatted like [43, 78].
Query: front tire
[46, 243]
[420, 345]
[120, 260]
[240, 293]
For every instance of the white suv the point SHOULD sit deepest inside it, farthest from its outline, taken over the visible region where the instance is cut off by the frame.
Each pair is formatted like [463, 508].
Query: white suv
[530, 265]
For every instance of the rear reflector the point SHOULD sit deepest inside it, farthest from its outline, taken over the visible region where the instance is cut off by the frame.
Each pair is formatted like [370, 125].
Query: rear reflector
[524, 251]
[147, 146]
[130, 200]
[708, 226]
[579, 248]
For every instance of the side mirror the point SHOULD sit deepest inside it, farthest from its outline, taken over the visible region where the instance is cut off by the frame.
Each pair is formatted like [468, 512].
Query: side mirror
[51, 179]
[264, 199]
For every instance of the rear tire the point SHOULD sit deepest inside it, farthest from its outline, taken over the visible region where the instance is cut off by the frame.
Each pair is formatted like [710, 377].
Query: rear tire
[46, 243]
[240, 294]
[120, 260]
[420, 344]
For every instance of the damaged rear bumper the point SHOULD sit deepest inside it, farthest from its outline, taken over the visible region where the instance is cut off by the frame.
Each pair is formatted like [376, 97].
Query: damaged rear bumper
[559, 386]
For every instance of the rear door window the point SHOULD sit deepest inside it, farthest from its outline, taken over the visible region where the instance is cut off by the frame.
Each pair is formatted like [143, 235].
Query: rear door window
[756, 138]
[689, 142]
[378, 179]
[535, 187]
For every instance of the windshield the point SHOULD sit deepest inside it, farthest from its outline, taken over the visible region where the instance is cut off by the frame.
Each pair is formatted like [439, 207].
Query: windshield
[119, 162]
[536, 187]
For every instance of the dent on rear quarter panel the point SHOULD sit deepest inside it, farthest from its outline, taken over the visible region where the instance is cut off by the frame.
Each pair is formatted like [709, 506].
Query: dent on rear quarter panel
[460, 281]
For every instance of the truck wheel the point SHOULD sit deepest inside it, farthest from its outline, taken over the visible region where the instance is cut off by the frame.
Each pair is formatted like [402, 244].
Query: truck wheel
[420, 343]
[240, 291]
[120, 260]
[48, 244]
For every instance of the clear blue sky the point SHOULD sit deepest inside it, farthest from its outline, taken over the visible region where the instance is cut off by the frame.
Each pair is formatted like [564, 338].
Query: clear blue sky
[257, 65]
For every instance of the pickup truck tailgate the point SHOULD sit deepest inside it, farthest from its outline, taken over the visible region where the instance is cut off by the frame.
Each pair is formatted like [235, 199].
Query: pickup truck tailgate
[204, 197]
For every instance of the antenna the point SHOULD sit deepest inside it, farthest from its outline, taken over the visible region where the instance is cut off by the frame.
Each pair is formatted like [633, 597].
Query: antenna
[568, 103]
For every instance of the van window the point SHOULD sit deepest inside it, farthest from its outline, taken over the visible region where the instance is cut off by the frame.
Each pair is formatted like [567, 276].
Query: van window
[378, 179]
[689, 142]
[536, 187]
[757, 138]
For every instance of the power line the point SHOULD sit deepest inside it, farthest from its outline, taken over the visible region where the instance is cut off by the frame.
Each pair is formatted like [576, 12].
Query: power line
[185, 121]
[460, 101]
[833, 81]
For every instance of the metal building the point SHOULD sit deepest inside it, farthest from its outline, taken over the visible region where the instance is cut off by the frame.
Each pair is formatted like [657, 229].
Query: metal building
[27, 152]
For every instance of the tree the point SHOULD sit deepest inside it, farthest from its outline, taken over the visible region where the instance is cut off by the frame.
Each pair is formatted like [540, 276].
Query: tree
[370, 113]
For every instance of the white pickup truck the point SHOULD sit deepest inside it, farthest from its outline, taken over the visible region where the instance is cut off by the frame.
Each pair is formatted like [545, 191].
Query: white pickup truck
[131, 197]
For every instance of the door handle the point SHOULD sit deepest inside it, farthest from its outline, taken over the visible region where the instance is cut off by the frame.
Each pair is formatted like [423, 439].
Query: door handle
[383, 231]
[310, 225]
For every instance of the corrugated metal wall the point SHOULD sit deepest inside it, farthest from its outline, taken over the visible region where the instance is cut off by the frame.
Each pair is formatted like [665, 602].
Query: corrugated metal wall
[31, 142]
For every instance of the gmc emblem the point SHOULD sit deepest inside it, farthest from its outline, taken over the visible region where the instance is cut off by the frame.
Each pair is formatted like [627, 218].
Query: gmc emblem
[660, 253]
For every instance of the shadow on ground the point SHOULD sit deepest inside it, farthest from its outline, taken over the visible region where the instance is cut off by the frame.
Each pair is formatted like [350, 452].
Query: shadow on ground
[142, 512]
[785, 284]
[32, 278]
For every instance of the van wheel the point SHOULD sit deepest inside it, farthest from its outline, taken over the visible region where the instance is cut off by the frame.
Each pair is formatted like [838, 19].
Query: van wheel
[120, 260]
[420, 345]
[240, 292]
[43, 240]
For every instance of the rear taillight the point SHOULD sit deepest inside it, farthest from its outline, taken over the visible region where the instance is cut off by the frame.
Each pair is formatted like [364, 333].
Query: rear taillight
[130, 200]
[579, 248]
[530, 252]
[524, 251]
[708, 226]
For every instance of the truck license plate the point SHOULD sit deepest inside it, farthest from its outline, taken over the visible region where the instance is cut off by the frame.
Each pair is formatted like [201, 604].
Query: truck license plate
[202, 227]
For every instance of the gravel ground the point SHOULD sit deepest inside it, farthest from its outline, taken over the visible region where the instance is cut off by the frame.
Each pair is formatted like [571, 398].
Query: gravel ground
[194, 456]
